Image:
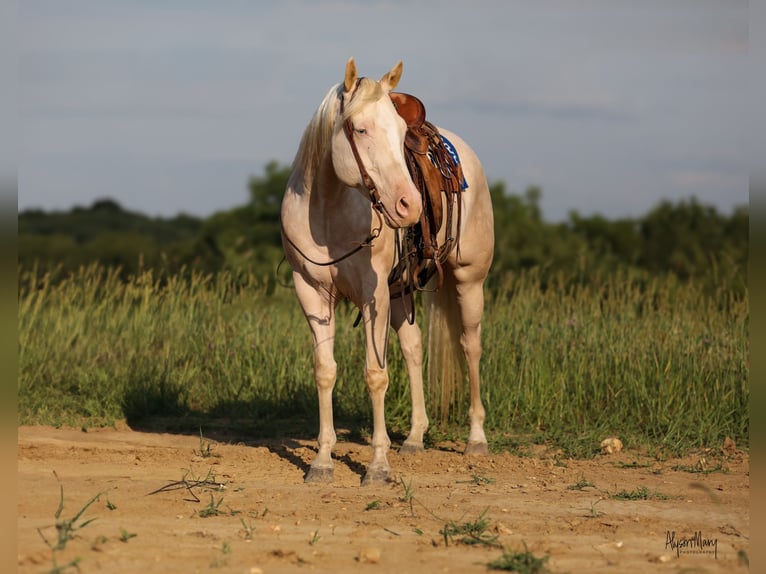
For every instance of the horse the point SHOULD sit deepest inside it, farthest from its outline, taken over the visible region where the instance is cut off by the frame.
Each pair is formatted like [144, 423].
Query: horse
[348, 195]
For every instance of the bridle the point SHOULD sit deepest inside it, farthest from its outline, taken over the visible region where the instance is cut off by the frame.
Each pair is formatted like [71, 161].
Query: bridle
[348, 129]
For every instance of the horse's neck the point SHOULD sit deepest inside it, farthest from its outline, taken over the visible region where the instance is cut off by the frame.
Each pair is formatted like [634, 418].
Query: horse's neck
[332, 210]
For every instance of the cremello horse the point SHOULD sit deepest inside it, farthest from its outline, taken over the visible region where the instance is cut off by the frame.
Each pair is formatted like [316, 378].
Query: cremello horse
[349, 193]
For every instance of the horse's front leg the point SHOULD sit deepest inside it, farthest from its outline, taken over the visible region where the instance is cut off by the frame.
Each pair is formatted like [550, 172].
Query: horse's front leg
[376, 320]
[320, 314]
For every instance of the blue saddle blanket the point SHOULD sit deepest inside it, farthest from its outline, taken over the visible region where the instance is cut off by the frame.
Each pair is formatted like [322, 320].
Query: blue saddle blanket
[455, 158]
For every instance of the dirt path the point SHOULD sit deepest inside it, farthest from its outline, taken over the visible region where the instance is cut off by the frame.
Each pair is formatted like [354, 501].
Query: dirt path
[265, 519]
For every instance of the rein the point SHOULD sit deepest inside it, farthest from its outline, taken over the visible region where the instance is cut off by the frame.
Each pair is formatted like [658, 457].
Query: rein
[366, 243]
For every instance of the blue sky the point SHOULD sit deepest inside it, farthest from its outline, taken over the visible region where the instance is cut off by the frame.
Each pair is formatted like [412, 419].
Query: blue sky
[170, 106]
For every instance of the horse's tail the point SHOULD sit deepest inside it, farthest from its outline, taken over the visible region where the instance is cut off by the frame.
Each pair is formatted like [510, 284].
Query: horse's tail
[445, 355]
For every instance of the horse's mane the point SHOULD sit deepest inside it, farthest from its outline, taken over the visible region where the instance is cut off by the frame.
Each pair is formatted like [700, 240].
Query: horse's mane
[316, 136]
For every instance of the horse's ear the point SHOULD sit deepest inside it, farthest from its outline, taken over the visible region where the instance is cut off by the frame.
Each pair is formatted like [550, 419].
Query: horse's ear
[391, 79]
[350, 80]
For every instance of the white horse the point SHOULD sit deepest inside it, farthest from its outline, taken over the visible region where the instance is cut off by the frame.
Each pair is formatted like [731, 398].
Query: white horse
[348, 195]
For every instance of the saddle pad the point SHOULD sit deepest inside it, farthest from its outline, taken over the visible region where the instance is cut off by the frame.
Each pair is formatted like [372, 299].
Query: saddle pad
[455, 158]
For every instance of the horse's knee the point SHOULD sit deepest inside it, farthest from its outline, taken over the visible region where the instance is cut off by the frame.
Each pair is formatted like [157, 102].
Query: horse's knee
[377, 380]
[325, 374]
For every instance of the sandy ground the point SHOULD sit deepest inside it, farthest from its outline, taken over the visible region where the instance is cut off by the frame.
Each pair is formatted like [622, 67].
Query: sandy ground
[262, 518]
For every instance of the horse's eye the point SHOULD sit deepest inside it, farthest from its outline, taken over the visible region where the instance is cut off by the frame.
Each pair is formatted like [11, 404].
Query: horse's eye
[360, 131]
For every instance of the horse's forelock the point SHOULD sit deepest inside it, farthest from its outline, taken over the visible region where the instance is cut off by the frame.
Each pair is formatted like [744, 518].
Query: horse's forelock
[366, 92]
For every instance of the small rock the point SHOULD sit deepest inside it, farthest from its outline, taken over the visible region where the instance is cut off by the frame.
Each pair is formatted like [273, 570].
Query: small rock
[370, 555]
[256, 570]
[611, 445]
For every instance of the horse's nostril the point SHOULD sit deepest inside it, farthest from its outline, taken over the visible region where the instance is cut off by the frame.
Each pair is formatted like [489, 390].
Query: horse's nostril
[402, 207]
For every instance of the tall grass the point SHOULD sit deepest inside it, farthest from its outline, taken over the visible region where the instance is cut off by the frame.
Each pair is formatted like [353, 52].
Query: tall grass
[656, 361]
[647, 359]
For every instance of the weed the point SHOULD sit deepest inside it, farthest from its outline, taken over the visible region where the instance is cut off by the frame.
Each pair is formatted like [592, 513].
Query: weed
[522, 562]
[212, 508]
[314, 538]
[581, 484]
[248, 528]
[66, 529]
[476, 479]
[125, 535]
[592, 512]
[408, 495]
[374, 505]
[98, 542]
[61, 569]
[700, 467]
[222, 560]
[641, 493]
[476, 532]
[205, 447]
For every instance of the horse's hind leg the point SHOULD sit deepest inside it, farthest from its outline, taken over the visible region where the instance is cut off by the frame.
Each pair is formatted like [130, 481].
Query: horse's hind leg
[320, 314]
[470, 298]
[411, 343]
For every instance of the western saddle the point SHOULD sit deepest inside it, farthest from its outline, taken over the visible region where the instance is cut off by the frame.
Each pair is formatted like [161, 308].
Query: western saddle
[437, 173]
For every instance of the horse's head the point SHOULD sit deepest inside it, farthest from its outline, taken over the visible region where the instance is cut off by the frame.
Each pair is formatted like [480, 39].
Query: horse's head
[368, 146]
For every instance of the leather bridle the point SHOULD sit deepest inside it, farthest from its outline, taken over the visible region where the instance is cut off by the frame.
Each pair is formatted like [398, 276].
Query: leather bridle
[367, 181]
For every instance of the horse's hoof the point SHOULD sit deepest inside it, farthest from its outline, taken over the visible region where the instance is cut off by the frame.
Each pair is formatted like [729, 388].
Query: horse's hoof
[376, 476]
[477, 448]
[318, 475]
[411, 447]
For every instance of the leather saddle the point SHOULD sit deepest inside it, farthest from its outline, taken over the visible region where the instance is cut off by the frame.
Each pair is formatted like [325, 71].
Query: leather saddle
[439, 177]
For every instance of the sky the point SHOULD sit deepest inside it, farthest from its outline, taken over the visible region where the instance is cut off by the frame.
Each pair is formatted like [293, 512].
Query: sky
[170, 106]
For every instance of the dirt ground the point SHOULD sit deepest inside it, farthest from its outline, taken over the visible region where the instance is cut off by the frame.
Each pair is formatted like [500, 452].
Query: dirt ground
[262, 518]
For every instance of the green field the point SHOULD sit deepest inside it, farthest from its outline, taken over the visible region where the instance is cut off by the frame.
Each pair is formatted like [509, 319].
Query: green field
[663, 364]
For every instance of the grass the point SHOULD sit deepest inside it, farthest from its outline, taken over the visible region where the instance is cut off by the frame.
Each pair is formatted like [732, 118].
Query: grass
[408, 495]
[522, 562]
[471, 533]
[581, 484]
[66, 530]
[213, 508]
[477, 480]
[205, 447]
[640, 493]
[662, 364]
